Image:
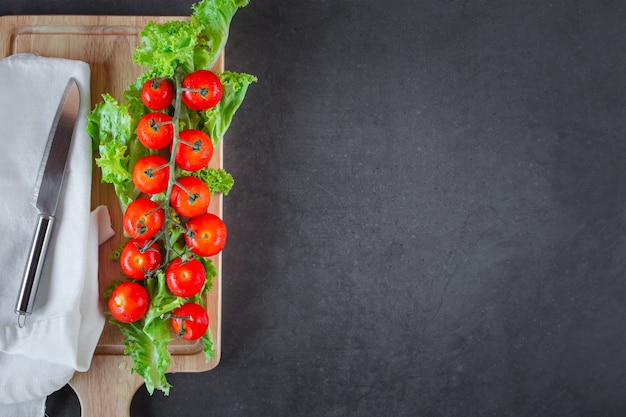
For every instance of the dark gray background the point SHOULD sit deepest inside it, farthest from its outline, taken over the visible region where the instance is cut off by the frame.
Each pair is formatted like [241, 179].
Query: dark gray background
[428, 217]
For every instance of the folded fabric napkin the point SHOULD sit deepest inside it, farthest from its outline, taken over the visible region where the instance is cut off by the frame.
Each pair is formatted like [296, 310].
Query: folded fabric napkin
[61, 334]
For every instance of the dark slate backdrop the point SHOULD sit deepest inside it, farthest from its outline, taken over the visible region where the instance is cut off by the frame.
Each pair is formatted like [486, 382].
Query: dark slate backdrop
[428, 217]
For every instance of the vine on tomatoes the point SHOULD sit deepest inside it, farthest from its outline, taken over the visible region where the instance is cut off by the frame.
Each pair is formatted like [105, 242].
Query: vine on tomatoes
[156, 150]
[166, 187]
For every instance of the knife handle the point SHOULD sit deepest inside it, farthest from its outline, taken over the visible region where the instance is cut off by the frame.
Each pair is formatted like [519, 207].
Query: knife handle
[34, 266]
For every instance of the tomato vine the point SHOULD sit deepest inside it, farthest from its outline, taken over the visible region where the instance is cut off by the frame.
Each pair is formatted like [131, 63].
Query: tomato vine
[177, 54]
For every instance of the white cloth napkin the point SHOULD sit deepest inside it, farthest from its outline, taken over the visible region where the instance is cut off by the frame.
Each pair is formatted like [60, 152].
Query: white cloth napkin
[61, 335]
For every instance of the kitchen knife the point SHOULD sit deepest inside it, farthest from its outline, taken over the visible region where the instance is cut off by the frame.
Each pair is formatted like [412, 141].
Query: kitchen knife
[46, 195]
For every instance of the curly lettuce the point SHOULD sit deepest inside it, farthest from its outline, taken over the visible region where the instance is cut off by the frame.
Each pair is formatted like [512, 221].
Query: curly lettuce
[190, 44]
[218, 180]
[109, 126]
[165, 47]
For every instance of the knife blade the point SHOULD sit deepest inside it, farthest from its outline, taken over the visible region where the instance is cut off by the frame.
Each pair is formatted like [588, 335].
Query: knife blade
[46, 196]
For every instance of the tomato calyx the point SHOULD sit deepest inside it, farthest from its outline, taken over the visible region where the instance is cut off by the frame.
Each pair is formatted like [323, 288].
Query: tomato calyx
[203, 91]
[145, 247]
[155, 82]
[144, 250]
[189, 321]
[141, 227]
[180, 319]
[191, 196]
[155, 124]
[195, 146]
[149, 172]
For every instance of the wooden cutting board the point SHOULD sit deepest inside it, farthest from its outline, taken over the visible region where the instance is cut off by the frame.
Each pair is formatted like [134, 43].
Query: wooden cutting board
[107, 43]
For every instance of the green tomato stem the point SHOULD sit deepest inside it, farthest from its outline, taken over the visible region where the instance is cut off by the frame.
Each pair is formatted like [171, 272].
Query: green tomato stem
[150, 171]
[172, 164]
[192, 196]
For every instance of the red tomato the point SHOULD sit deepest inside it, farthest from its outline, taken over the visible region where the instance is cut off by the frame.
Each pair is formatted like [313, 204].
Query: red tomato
[140, 257]
[191, 321]
[155, 130]
[128, 302]
[194, 151]
[190, 196]
[150, 174]
[206, 234]
[185, 278]
[157, 94]
[202, 90]
[143, 218]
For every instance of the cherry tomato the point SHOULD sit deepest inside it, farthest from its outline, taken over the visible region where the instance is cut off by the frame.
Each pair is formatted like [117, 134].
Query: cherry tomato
[191, 321]
[206, 234]
[150, 174]
[203, 90]
[143, 218]
[194, 151]
[157, 94]
[128, 302]
[185, 277]
[140, 257]
[190, 196]
[155, 130]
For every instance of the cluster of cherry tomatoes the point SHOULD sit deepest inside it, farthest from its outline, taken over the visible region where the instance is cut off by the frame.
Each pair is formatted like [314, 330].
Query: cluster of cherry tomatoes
[145, 220]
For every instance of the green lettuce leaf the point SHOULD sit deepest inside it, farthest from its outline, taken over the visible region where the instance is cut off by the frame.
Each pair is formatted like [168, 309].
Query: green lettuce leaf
[214, 17]
[207, 345]
[162, 301]
[218, 180]
[109, 122]
[110, 128]
[147, 346]
[135, 107]
[217, 119]
[166, 46]
[211, 273]
[190, 44]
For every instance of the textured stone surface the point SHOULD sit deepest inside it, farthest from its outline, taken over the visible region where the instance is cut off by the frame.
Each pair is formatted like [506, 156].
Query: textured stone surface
[428, 216]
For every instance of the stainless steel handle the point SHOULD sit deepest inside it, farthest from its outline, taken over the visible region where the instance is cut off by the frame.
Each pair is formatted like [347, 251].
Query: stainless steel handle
[34, 266]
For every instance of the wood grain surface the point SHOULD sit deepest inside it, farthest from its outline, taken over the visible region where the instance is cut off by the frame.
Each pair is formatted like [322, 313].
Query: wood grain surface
[106, 43]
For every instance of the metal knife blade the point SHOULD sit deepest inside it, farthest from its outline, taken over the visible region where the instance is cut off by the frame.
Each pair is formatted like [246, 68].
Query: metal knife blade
[46, 195]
